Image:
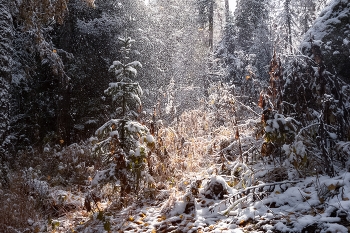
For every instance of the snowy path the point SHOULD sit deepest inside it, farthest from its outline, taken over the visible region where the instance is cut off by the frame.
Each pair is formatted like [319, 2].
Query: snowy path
[252, 201]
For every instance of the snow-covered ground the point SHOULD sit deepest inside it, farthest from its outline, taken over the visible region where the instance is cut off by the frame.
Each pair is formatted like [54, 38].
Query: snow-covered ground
[224, 196]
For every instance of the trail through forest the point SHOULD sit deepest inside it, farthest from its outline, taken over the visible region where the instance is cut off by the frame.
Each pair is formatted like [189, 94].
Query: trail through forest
[217, 191]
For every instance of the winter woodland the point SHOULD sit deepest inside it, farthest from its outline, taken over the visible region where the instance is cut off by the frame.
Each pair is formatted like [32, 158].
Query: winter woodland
[174, 116]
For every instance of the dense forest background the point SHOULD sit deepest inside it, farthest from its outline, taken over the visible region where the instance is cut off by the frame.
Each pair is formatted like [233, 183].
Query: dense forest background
[263, 84]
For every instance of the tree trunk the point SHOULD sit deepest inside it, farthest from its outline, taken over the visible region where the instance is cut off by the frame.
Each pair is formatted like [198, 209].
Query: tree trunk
[227, 11]
[211, 23]
[289, 24]
[63, 116]
[6, 34]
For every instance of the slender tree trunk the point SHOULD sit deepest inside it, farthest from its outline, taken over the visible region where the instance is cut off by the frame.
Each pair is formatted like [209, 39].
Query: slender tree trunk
[211, 23]
[290, 37]
[227, 11]
[63, 116]
[6, 34]
[289, 24]
[122, 132]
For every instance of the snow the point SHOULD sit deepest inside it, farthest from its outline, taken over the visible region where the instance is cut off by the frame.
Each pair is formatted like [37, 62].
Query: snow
[328, 19]
[246, 199]
[150, 139]
[286, 206]
[335, 228]
[281, 227]
[107, 125]
[135, 127]
[275, 124]
[38, 186]
[101, 175]
[332, 135]
[46, 149]
[134, 64]
[116, 63]
[114, 134]
[131, 70]
[98, 26]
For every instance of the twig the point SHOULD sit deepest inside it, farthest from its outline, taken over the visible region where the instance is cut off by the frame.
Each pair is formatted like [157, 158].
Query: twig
[308, 202]
[244, 192]
[268, 208]
[249, 108]
[340, 203]
[268, 184]
[233, 205]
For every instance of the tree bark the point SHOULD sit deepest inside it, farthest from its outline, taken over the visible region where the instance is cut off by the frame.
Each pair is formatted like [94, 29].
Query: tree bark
[63, 116]
[211, 23]
[6, 34]
[289, 24]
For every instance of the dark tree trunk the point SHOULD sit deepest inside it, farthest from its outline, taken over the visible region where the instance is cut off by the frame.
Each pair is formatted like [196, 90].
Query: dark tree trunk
[6, 34]
[63, 117]
[289, 24]
[211, 23]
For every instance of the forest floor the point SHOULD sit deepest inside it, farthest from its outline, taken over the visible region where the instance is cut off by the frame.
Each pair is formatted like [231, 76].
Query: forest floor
[223, 193]
[310, 205]
[212, 189]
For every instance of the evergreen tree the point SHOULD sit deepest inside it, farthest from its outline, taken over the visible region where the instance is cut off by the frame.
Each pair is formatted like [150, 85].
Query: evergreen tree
[306, 15]
[206, 15]
[124, 142]
[39, 84]
[288, 24]
[283, 19]
[249, 15]
[291, 23]
[86, 35]
[246, 46]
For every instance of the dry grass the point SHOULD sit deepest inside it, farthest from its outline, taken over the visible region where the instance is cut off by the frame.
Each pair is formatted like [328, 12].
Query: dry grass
[26, 204]
[20, 212]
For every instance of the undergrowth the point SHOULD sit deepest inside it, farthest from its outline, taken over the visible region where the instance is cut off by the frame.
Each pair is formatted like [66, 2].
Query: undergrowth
[199, 154]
